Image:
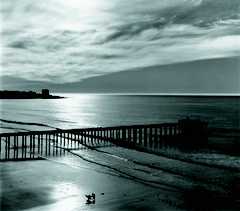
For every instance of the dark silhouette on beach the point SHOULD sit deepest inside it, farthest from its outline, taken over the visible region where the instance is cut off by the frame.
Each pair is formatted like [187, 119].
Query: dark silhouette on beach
[91, 198]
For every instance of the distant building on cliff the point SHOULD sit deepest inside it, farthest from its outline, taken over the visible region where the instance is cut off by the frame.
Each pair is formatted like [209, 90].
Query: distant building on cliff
[8, 94]
[45, 93]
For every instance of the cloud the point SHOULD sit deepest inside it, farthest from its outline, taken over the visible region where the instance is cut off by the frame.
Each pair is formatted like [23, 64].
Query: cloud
[19, 44]
[76, 39]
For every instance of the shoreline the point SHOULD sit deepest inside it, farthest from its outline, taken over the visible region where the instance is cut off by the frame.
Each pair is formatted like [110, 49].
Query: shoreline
[29, 98]
[63, 187]
[122, 179]
[10, 94]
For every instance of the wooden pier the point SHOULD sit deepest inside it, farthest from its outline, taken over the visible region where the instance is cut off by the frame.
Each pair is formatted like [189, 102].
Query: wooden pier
[38, 144]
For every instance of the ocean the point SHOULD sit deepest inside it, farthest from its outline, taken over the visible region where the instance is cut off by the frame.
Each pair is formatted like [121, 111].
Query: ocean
[169, 179]
[92, 110]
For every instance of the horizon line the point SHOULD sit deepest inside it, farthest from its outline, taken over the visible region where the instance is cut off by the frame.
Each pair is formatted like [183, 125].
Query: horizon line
[156, 94]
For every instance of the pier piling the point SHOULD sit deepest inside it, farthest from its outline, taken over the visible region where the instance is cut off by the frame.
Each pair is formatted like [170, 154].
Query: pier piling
[34, 144]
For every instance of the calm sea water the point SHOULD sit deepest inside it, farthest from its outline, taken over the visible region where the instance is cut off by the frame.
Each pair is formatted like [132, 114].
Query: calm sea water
[84, 110]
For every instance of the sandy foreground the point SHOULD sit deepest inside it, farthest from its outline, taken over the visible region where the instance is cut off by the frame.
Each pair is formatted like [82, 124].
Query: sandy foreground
[49, 185]
[122, 179]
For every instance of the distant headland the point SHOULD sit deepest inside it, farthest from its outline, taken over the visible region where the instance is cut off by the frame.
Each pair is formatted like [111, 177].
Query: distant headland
[45, 94]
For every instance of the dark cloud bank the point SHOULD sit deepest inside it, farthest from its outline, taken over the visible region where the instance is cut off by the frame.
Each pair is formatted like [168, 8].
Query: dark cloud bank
[206, 76]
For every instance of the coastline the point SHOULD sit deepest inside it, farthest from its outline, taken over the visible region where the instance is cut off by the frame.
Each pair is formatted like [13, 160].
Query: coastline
[30, 98]
[156, 182]
[63, 187]
[45, 94]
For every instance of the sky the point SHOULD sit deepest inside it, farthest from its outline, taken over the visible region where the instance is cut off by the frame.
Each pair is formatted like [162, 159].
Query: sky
[62, 41]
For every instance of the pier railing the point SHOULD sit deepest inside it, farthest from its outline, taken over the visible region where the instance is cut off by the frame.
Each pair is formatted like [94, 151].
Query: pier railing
[37, 144]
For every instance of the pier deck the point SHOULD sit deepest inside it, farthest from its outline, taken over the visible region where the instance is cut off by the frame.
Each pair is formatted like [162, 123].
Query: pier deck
[37, 144]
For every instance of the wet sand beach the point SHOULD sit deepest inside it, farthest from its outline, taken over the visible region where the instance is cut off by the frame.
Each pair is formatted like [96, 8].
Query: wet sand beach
[122, 179]
[48, 185]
